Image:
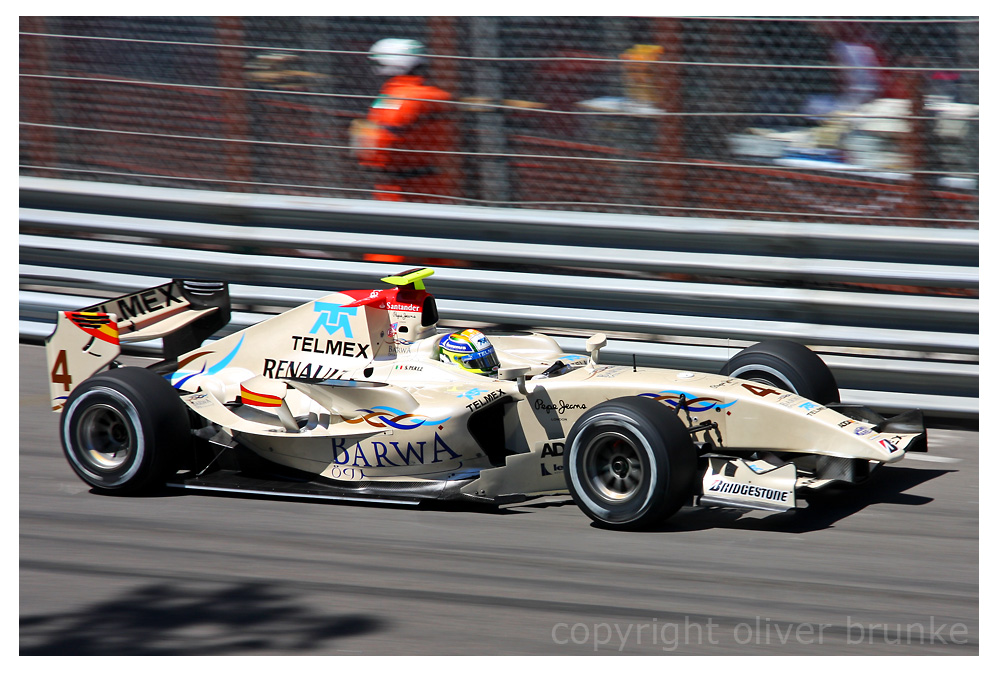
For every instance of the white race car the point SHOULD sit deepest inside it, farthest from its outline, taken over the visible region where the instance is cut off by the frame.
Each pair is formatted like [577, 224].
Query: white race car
[359, 396]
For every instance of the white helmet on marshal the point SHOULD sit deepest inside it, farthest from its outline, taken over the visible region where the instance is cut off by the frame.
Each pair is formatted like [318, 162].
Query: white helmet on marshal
[397, 56]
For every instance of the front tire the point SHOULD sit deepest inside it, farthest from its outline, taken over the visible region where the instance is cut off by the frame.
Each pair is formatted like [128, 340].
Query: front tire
[630, 463]
[123, 430]
[786, 365]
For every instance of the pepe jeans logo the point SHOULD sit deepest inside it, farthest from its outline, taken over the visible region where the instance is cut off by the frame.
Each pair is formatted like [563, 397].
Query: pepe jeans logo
[559, 407]
[333, 318]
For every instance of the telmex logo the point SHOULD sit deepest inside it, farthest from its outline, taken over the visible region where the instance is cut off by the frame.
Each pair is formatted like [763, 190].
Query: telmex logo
[333, 318]
[144, 302]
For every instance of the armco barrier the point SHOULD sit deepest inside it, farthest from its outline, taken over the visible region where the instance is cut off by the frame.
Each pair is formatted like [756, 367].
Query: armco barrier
[570, 274]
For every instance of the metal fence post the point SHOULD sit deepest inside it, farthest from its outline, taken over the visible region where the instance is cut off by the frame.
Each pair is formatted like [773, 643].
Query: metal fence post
[235, 116]
[669, 34]
[491, 139]
[36, 97]
[915, 199]
[444, 74]
[968, 40]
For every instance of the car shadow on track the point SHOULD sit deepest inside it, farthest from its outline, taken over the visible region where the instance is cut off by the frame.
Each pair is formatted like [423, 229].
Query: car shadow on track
[455, 506]
[824, 509]
[171, 618]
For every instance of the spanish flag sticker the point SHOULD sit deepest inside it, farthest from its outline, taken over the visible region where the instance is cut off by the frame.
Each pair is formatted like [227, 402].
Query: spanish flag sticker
[259, 400]
[95, 324]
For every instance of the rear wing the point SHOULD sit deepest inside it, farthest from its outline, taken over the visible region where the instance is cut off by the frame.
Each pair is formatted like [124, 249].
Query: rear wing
[182, 313]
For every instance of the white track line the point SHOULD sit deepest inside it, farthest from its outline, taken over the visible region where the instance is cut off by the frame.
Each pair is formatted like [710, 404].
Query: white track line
[932, 458]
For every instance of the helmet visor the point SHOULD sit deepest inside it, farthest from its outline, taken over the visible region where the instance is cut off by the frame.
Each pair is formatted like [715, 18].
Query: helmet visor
[485, 360]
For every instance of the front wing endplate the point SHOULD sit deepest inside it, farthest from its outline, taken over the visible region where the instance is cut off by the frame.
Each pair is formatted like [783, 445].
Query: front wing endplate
[750, 485]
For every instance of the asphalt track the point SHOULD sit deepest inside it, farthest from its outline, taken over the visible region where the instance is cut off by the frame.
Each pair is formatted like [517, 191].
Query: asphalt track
[890, 569]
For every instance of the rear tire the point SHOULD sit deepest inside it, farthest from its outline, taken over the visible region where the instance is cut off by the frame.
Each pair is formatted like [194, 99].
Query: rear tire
[124, 430]
[786, 365]
[630, 463]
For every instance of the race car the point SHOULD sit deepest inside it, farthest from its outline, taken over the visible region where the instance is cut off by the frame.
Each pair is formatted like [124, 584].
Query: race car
[358, 395]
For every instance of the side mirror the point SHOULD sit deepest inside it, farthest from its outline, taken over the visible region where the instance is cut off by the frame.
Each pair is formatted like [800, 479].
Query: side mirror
[518, 373]
[593, 347]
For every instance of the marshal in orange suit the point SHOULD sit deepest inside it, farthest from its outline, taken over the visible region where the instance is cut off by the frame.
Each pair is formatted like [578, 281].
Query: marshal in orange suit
[406, 124]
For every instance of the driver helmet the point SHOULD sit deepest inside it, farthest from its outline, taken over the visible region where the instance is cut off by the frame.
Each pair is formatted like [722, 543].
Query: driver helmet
[471, 350]
[396, 56]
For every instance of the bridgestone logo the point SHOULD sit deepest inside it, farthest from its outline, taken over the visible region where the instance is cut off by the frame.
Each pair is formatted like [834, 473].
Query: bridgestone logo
[725, 487]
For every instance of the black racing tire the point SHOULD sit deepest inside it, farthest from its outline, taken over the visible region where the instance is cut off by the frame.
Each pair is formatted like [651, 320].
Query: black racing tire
[786, 365]
[630, 463]
[125, 430]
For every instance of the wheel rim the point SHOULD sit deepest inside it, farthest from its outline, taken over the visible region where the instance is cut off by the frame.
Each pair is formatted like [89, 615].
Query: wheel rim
[614, 466]
[105, 438]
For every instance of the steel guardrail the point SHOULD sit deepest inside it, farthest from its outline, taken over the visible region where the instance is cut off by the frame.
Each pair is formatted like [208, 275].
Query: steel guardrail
[508, 252]
[798, 240]
[100, 255]
[889, 346]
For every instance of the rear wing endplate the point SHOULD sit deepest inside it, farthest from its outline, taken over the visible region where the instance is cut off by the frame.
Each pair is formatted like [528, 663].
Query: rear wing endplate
[182, 313]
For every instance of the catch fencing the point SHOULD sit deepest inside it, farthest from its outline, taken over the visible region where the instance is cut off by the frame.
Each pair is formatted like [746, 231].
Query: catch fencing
[863, 120]
[894, 311]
